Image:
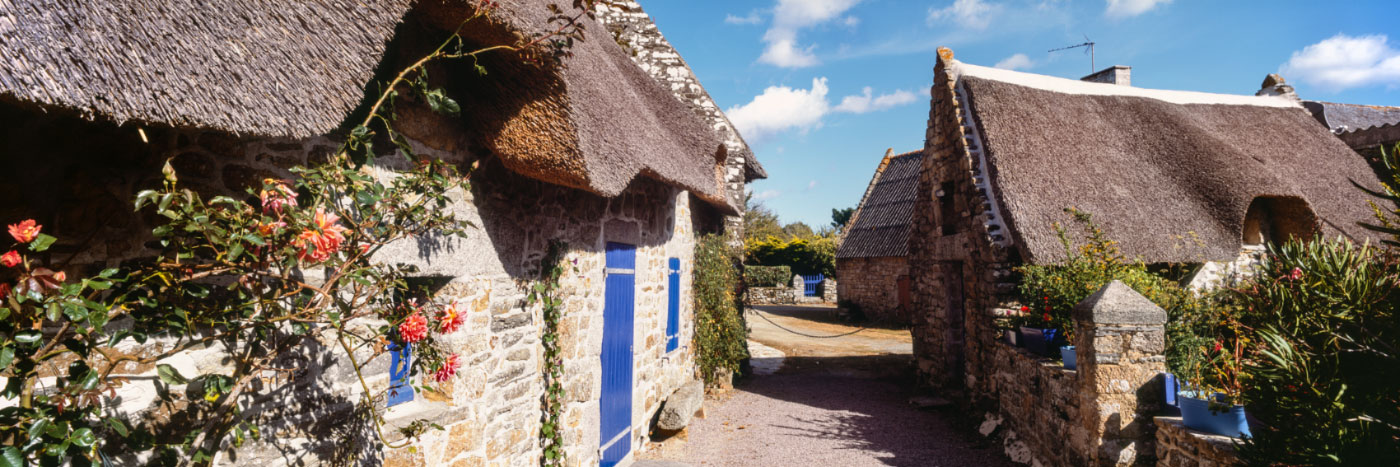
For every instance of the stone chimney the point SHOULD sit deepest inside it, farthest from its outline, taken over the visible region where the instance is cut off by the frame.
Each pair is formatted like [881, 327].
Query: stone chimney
[1275, 86]
[1116, 74]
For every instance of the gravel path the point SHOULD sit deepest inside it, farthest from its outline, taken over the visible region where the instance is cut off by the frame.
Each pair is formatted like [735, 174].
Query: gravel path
[826, 407]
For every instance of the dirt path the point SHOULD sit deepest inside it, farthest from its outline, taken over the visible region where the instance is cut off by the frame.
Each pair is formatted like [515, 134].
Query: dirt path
[825, 402]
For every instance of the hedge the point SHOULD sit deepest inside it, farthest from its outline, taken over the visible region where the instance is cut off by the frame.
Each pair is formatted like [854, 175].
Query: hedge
[767, 276]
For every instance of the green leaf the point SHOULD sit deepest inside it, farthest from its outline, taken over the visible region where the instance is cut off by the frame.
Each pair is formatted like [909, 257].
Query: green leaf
[28, 337]
[116, 425]
[10, 457]
[7, 356]
[41, 242]
[170, 375]
[83, 437]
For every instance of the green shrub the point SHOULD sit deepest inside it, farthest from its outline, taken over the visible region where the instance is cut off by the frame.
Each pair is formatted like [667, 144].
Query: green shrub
[1323, 365]
[1050, 292]
[804, 255]
[721, 341]
[767, 276]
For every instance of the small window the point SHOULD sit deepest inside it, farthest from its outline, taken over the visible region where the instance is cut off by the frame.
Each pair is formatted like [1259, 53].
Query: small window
[673, 305]
[945, 208]
[400, 390]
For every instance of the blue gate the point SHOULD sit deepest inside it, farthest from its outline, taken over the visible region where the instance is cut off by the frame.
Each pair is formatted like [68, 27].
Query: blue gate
[810, 283]
[615, 403]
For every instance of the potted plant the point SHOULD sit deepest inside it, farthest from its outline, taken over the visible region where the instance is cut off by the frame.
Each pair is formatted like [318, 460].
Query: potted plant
[1209, 402]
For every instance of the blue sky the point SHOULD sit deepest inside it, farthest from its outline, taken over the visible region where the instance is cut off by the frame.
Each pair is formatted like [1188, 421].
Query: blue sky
[793, 74]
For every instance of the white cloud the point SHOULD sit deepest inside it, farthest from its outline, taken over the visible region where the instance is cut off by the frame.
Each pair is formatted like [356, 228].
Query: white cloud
[1015, 62]
[751, 18]
[781, 108]
[971, 14]
[766, 195]
[851, 21]
[1130, 8]
[812, 184]
[789, 18]
[1343, 61]
[868, 103]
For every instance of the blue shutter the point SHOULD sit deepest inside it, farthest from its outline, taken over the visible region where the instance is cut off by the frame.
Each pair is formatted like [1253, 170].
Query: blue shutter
[615, 402]
[399, 389]
[673, 306]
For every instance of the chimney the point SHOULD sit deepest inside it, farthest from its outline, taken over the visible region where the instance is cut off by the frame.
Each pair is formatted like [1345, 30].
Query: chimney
[1275, 86]
[1116, 74]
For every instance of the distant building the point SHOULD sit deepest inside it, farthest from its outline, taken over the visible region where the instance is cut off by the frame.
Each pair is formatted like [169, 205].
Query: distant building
[872, 258]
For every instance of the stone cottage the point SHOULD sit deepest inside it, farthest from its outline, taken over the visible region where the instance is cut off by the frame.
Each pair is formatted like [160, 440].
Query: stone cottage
[1173, 176]
[872, 257]
[596, 150]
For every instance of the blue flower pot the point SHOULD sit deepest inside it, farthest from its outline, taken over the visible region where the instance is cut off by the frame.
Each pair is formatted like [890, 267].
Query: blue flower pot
[1196, 414]
[1067, 354]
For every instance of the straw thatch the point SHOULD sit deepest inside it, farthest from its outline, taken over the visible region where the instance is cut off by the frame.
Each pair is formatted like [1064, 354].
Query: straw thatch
[594, 121]
[880, 225]
[270, 68]
[1168, 174]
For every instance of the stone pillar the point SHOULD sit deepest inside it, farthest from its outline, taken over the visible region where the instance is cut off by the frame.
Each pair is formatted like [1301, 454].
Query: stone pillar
[1120, 337]
[828, 290]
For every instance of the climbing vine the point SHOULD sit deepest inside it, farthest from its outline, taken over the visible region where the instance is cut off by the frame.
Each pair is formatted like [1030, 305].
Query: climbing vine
[265, 282]
[721, 341]
[546, 294]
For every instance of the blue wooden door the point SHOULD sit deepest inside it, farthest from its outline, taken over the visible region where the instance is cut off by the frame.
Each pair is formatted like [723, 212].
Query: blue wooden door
[616, 400]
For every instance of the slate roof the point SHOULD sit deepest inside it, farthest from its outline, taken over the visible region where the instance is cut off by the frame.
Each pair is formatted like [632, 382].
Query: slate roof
[1358, 125]
[1153, 166]
[880, 226]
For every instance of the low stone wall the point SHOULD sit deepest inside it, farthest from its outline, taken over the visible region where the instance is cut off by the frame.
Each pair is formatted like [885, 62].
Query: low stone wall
[1099, 414]
[1181, 446]
[1038, 412]
[771, 296]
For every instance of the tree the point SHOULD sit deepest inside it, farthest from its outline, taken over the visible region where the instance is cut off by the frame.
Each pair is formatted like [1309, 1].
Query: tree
[841, 217]
[759, 222]
[798, 230]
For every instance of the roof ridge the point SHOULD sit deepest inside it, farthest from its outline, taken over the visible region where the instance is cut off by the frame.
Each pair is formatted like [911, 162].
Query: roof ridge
[1073, 86]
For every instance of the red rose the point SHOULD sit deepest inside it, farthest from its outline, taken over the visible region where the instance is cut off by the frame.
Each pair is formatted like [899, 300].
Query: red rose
[1025, 309]
[1296, 274]
[24, 232]
[414, 328]
[1045, 316]
[10, 259]
[4, 290]
[448, 368]
[450, 319]
[1218, 346]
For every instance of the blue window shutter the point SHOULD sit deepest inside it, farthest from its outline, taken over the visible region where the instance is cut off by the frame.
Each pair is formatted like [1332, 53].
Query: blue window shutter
[399, 389]
[673, 306]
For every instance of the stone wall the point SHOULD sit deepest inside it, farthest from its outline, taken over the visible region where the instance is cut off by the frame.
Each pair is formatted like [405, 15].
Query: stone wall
[80, 189]
[873, 285]
[1037, 415]
[771, 295]
[1178, 446]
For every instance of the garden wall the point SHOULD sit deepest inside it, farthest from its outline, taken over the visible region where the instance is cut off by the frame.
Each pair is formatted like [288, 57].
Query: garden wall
[80, 179]
[873, 284]
[1181, 446]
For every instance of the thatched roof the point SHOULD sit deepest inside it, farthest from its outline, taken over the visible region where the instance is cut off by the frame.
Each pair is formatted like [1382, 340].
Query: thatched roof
[880, 226]
[1169, 174]
[270, 68]
[297, 69]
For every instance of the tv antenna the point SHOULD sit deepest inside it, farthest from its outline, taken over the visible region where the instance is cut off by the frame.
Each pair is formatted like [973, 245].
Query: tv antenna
[1088, 48]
